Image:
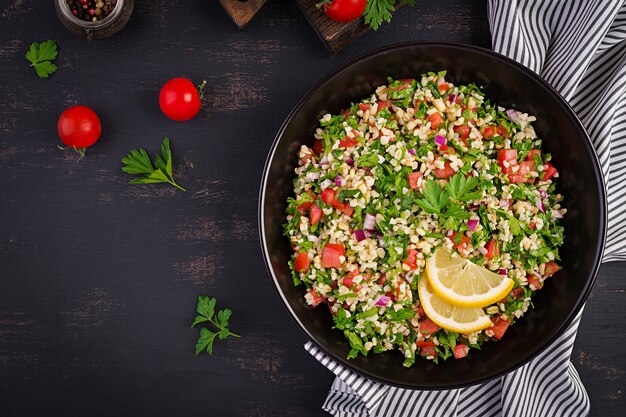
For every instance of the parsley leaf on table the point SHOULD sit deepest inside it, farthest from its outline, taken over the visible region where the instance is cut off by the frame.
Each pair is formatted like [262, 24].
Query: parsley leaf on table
[206, 313]
[379, 11]
[40, 55]
[137, 162]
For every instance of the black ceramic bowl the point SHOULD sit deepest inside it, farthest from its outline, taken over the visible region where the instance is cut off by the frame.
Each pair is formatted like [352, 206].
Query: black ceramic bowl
[507, 82]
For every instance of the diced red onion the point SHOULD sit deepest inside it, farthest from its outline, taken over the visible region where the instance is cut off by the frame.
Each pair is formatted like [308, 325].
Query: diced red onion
[502, 271]
[349, 161]
[449, 233]
[474, 207]
[412, 152]
[539, 204]
[482, 250]
[440, 140]
[381, 243]
[472, 224]
[543, 194]
[452, 97]
[325, 184]
[338, 181]
[556, 214]
[369, 223]
[324, 160]
[409, 277]
[504, 203]
[363, 234]
[382, 301]
[513, 115]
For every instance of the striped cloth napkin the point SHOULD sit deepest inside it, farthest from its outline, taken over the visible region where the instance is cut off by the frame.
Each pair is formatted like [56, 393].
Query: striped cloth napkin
[579, 47]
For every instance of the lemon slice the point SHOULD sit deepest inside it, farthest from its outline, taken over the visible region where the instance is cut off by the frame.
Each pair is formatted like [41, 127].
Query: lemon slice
[448, 316]
[460, 282]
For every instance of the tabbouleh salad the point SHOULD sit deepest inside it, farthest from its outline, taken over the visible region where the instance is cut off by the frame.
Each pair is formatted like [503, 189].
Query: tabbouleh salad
[421, 164]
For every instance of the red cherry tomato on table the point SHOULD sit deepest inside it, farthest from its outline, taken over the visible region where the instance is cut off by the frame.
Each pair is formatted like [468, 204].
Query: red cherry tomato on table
[179, 99]
[345, 10]
[79, 127]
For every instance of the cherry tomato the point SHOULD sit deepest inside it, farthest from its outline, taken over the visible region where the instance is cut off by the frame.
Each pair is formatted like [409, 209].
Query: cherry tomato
[179, 99]
[79, 127]
[345, 10]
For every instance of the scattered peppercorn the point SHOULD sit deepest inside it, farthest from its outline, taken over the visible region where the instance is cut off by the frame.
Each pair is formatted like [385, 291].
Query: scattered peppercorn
[91, 10]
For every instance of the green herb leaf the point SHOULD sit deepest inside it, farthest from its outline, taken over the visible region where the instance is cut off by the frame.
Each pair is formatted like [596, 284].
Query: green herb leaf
[206, 313]
[40, 55]
[137, 162]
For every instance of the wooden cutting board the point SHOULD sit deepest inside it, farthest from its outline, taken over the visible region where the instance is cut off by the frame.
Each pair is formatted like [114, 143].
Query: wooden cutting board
[242, 11]
[334, 35]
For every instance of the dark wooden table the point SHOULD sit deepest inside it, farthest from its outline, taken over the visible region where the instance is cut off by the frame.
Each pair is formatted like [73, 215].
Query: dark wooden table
[98, 278]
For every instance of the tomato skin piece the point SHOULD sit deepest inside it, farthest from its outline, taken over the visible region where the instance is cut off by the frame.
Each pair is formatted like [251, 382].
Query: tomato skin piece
[411, 260]
[348, 210]
[534, 281]
[345, 10]
[446, 172]
[424, 344]
[328, 196]
[435, 120]
[79, 127]
[316, 214]
[522, 173]
[301, 263]
[508, 155]
[414, 178]
[364, 106]
[331, 254]
[428, 351]
[551, 269]
[548, 172]
[493, 249]
[460, 351]
[179, 99]
[532, 153]
[428, 327]
[499, 327]
[463, 131]
[488, 132]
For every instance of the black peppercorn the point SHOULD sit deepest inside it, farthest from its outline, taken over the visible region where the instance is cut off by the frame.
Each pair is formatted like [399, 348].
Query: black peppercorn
[91, 10]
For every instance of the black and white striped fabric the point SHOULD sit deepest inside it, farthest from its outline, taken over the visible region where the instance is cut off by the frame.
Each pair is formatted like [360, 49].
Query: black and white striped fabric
[579, 47]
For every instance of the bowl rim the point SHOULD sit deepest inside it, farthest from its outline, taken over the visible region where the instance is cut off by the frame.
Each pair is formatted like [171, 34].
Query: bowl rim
[599, 178]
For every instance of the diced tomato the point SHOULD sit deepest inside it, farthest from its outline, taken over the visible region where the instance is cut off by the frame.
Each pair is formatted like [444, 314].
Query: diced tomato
[331, 254]
[338, 205]
[428, 327]
[364, 106]
[463, 131]
[515, 294]
[407, 80]
[462, 244]
[499, 327]
[348, 142]
[548, 172]
[493, 249]
[522, 174]
[424, 344]
[382, 105]
[534, 281]
[348, 280]
[488, 132]
[382, 280]
[428, 351]
[328, 196]
[318, 146]
[460, 351]
[501, 130]
[411, 259]
[551, 268]
[446, 172]
[348, 210]
[414, 178]
[532, 153]
[301, 263]
[458, 100]
[302, 208]
[444, 87]
[403, 84]
[316, 214]
[420, 312]
[345, 113]
[508, 155]
[316, 299]
[435, 120]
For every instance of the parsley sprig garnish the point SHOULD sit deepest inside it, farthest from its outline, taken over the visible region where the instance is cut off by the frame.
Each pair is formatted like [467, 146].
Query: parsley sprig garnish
[137, 162]
[206, 313]
[444, 201]
[379, 11]
[40, 55]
